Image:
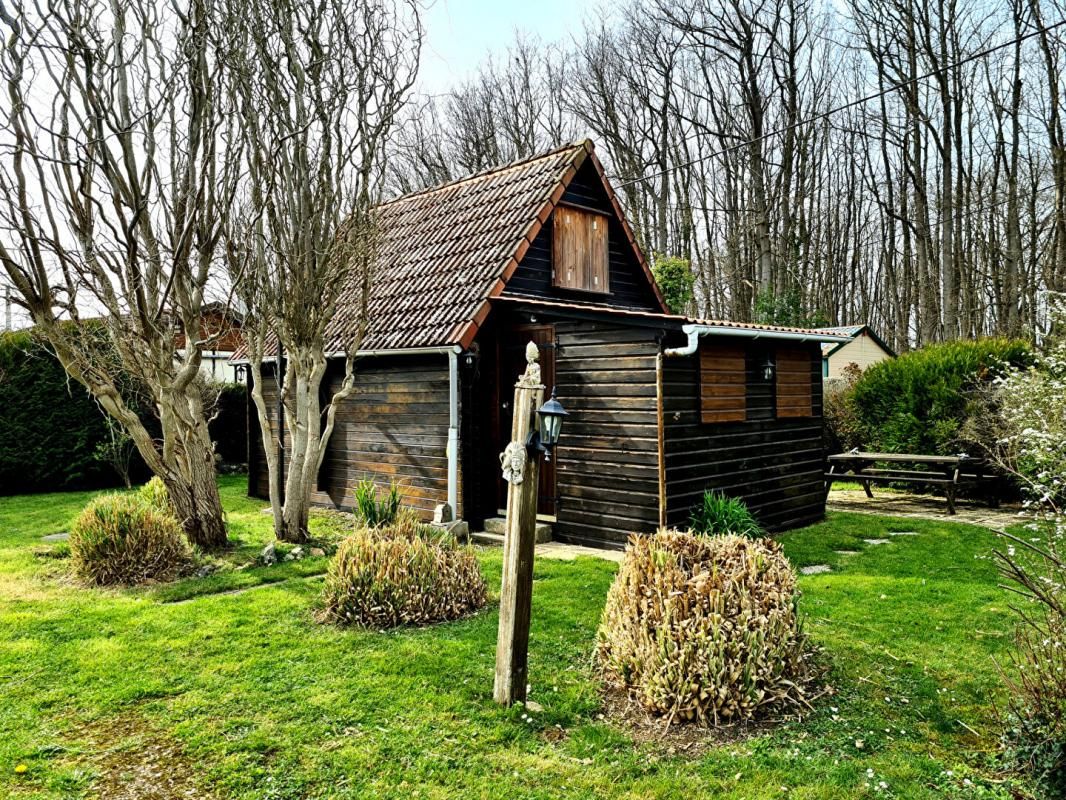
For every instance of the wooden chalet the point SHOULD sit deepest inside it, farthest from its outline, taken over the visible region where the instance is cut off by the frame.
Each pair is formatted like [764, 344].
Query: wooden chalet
[662, 407]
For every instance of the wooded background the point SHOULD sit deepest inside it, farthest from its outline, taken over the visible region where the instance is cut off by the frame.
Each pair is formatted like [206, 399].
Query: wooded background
[896, 162]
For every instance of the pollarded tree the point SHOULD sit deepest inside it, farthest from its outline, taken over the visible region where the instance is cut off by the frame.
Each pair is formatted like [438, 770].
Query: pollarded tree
[115, 175]
[318, 87]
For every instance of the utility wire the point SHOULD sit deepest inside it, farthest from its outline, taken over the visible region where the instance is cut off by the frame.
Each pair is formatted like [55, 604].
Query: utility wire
[851, 104]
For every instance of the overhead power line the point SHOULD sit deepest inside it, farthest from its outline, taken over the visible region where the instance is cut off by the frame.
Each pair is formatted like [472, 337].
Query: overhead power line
[851, 104]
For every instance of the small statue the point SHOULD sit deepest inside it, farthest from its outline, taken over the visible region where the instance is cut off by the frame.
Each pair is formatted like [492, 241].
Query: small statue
[513, 461]
[531, 377]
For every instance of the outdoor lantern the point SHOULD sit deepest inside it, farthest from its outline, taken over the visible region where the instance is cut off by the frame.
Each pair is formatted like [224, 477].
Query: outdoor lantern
[768, 370]
[551, 424]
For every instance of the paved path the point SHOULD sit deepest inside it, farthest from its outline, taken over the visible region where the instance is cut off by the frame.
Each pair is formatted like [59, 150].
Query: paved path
[558, 550]
[883, 503]
[921, 506]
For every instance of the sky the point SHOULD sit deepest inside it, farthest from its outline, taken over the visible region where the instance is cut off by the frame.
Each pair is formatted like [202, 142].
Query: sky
[461, 34]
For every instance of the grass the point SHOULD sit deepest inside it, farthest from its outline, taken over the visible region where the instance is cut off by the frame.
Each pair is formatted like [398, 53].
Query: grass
[253, 699]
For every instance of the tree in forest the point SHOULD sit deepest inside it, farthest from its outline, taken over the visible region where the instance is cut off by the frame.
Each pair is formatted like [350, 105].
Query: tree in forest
[675, 279]
[318, 89]
[893, 162]
[115, 176]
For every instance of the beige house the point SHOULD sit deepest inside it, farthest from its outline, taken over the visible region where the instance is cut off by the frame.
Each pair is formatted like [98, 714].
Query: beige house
[863, 349]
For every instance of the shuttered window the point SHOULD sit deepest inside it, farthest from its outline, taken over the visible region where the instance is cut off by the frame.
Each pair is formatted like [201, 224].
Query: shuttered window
[794, 375]
[579, 250]
[723, 383]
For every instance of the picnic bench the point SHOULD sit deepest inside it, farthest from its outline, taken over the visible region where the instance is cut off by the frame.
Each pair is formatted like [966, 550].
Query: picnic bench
[949, 472]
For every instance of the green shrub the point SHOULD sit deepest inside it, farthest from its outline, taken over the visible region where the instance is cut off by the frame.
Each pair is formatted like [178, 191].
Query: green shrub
[155, 494]
[704, 628]
[53, 437]
[843, 427]
[717, 514]
[917, 403]
[1034, 739]
[120, 539]
[371, 511]
[401, 574]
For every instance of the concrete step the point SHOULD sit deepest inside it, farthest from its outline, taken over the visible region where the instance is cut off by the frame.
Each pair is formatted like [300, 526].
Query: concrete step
[498, 525]
[490, 539]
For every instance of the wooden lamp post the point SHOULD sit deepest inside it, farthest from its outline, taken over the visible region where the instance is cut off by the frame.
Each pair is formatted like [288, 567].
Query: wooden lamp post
[521, 470]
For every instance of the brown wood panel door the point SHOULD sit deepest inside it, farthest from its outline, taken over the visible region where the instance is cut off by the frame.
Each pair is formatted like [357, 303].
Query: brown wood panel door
[512, 356]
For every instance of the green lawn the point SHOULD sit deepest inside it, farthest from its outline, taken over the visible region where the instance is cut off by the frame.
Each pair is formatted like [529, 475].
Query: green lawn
[244, 695]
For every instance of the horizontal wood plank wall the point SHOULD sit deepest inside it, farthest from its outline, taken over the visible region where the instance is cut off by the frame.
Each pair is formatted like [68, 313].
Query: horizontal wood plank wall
[393, 427]
[723, 382]
[628, 286]
[775, 465]
[607, 459]
[793, 382]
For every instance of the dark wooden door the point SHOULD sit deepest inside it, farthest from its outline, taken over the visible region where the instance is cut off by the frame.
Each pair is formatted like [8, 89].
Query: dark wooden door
[512, 355]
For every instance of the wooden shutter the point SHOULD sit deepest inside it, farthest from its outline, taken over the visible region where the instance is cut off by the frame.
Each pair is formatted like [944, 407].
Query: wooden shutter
[723, 383]
[794, 376]
[579, 250]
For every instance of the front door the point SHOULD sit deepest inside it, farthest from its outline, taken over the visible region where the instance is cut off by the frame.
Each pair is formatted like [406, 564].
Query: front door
[512, 355]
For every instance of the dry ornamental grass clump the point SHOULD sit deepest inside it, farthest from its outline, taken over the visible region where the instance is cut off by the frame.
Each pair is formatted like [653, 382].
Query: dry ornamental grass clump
[405, 573]
[120, 539]
[705, 628]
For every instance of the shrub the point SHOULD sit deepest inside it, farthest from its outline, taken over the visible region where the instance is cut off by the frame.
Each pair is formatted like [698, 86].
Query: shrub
[704, 628]
[718, 514]
[54, 436]
[401, 574]
[371, 511]
[843, 427]
[120, 539]
[917, 403]
[155, 495]
[1035, 737]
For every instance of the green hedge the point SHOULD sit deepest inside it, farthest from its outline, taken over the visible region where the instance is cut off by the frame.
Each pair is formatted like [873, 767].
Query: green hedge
[918, 402]
[50, 427]
[52, 432]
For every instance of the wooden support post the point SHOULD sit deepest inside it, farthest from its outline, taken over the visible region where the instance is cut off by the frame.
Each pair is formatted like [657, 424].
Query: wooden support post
[522, 471]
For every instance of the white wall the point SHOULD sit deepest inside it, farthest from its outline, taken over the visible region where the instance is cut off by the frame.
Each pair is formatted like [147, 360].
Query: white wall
[861, 350]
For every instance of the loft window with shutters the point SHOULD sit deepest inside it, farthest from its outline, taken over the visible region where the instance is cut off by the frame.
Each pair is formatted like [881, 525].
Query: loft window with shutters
[794, 375]
[579, 250]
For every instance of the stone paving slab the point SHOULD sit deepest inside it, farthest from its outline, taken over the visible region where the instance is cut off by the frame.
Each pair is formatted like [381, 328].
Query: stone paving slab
[921, 506]
[557, 550]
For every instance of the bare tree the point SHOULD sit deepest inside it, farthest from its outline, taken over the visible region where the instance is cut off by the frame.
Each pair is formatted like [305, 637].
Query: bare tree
[319, 87]
[114, 178]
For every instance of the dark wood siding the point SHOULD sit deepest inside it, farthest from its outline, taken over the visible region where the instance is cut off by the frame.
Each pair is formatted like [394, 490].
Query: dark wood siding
[774, 464]
[607, 459]
[628, 284]
[793, 382]
[393, 427]
[723, 382]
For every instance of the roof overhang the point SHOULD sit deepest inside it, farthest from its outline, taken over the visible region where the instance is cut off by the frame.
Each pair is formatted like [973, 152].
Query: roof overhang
[695, 330]
[399, 351]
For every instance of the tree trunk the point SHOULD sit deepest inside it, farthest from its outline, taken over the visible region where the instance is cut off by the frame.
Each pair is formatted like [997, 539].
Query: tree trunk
[198, 506]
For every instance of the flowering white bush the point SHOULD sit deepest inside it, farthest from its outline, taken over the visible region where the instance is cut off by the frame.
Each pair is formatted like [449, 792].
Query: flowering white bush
[1024, 426]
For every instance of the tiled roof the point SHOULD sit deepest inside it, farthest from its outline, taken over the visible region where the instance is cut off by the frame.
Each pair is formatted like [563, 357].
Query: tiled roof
[444, 252]
[847, 330]
[831, 333]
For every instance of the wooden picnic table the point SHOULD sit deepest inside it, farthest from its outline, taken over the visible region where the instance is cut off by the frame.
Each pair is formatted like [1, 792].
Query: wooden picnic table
[949, 472]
